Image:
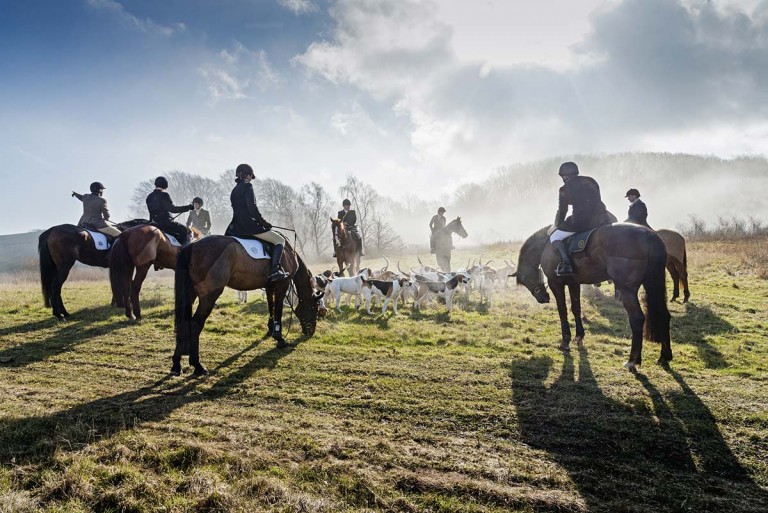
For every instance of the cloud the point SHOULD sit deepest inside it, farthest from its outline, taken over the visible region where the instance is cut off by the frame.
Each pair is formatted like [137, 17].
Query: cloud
[238, 74]
[144, 25]
[646, 68]
[298, 6]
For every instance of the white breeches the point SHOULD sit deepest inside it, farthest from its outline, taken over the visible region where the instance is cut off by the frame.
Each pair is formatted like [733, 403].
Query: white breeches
[559, 235]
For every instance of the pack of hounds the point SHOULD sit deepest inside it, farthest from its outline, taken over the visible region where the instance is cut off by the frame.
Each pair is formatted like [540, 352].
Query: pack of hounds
[420, 285]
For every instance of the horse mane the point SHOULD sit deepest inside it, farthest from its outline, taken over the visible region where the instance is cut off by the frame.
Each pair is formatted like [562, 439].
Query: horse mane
[530, 252]
[302, 285]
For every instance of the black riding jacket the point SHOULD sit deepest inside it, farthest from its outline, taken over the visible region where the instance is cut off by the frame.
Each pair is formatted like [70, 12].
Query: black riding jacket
[161, 207]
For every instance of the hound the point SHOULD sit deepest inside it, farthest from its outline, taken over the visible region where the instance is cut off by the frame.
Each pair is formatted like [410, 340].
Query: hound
[445, 289]
[350, 285]
[386, 290]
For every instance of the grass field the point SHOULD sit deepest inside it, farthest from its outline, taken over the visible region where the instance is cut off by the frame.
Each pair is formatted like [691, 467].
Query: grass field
[477, 411]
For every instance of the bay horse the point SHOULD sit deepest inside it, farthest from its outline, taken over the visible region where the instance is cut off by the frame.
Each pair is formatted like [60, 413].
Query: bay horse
[677, 262]
[444, 243]
[137, 249]
[205, 268]
[59, 248]
[628, 254]
[346, 248]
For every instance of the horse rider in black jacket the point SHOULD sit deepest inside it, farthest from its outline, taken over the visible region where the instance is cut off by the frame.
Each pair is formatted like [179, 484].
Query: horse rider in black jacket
[436, 224]
[349, 218]
[247, 221]
[95, 211]
[583, 194]
[161, 207]
[638, 212]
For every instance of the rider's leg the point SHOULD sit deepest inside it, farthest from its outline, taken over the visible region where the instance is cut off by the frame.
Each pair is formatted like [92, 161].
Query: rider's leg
[275, 272]
[110, 230]
[566, 265]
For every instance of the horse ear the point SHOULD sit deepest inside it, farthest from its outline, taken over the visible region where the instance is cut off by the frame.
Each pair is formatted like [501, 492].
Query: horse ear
[514, 274]
[332, 219]
[459, 218]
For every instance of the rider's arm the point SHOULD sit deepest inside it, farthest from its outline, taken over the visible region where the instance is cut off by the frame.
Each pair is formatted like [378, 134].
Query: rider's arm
[76, 195]
[105, 210]
[170, 207]
[562, 207]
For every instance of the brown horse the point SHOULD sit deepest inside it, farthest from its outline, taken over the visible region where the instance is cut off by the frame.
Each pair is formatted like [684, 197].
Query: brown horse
[59, 248]
[137, 249]
[346, 247]
[628, 254]
[677, 262]
[204, 268]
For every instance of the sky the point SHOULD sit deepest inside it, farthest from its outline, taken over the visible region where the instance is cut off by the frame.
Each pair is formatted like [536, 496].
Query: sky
[414, 97]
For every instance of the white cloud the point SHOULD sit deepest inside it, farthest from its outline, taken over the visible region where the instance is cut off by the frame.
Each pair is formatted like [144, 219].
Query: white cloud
[239, 73]
[298, 6]
[144, 25]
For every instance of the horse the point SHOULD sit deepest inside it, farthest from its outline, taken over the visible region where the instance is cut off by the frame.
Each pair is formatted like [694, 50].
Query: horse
[444, 243]
[677, 262]
[136, 249]
[59, 248]
[205, 268]
[346, 247]
[628, 254]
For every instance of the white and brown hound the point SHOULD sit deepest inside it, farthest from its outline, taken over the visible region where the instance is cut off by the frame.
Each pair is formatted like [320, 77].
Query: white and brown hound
[388, 290]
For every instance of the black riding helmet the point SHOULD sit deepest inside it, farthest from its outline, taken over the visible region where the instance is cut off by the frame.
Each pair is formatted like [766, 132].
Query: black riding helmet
[198, 200]
[568, 169]
[440, 210]
[243, 171]
[161, 182]
[346, 202]
[96, 187]
[632, 192]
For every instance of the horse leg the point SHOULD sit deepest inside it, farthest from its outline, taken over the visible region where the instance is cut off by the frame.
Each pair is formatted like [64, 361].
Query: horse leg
[280, 290]
[204, 308]
[558, 290]
[575, 293]
[636, 322]
[62, 273]
[270, 290]
[138, 281]
[672, 268]
[684, 280]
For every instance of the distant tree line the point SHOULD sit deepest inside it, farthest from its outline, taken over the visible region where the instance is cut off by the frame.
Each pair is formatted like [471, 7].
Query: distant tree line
[307, 209]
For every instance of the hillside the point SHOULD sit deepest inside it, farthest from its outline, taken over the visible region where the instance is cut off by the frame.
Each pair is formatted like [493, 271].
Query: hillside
[18, 251]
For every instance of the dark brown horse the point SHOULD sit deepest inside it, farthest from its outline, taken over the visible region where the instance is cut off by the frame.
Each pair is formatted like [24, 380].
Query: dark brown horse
[628, 254]
[204, 268]
[444, 243]
[677, 262]
[59, 248]
[137, 249]
[346, 247]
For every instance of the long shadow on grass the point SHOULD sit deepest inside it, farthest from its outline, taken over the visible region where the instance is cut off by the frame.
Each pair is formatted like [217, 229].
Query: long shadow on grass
[35, 439]
[79, 329]
[622, 456]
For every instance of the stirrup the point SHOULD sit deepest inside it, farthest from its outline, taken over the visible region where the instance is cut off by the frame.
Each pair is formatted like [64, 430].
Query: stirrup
[277, 275]
[564, 269]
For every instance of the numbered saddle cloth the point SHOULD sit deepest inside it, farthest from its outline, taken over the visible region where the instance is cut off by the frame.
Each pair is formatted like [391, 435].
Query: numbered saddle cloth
[99, 240]
[254, 247]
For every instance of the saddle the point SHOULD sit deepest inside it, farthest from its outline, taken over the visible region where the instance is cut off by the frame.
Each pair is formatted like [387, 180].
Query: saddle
[102, 241]
[577, 242]
[251, 244]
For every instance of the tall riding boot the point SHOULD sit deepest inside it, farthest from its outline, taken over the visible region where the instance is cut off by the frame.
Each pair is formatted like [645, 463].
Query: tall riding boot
[566, 266]
[275, 273]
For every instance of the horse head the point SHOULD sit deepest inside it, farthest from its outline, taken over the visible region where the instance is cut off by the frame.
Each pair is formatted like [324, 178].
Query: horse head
[458, 228]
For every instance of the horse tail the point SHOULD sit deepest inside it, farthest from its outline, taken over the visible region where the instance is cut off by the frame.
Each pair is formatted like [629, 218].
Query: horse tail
[657, 316]
[48, 268]
[184, 292]
[120, 271]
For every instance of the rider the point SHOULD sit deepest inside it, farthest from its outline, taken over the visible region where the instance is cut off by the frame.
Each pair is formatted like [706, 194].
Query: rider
[638, 212]
[161, 206]
[436, 224]
[349, 218]
[199, 219]
[247, 220]
[583, 194]
[95, 211]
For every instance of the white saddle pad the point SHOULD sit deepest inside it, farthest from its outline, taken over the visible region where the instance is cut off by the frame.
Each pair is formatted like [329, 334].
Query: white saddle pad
[172, 239]
[100, 240]
[254, 247]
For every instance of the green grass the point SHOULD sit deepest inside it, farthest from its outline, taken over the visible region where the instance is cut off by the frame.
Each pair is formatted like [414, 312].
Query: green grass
[477, 411]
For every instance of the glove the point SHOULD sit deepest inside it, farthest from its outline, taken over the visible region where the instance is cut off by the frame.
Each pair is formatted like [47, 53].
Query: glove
[266, 225]
[191, 206]
[73, 194]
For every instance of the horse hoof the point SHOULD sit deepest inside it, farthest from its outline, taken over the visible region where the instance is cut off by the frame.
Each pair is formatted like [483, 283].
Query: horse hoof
[175, 371]
[579, 341]
[674, 298]
[663, 362]
[281, 343]
[200, 370]
[686, 299]
[630, 366]
[565, 346]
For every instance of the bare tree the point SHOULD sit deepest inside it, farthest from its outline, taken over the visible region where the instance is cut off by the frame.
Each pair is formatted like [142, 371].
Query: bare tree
[364, 198]
[382, 238]
[316, 207]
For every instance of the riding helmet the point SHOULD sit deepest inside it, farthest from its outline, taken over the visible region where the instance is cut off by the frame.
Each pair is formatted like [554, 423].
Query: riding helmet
[161, 182]
[96, 187]
[346, 202]
[568, 169]
[198, 200]
[244, 171]
[632, 192]
[440, 210]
